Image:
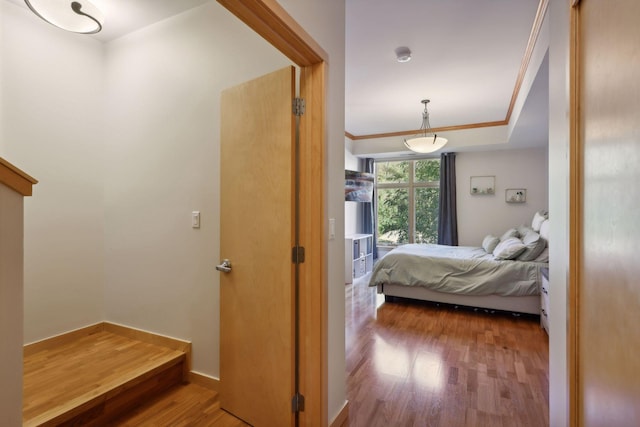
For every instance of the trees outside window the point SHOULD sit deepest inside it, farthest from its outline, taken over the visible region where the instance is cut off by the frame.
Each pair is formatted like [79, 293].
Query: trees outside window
[408, 193]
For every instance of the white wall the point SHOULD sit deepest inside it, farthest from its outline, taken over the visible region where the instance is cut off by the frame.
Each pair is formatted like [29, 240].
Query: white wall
[2, 149]
[558, 18]
[479, 215]
[162, 162]
[52, 127]
[124, 141]
[162, 149]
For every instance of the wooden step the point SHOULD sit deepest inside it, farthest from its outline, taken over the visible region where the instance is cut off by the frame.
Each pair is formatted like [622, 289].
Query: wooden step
[182, 405]
[92, 378]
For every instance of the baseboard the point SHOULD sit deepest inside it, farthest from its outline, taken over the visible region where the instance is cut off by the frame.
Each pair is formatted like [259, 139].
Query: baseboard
[204, 381]
[151, 338]
[342, 419]
[57, 340]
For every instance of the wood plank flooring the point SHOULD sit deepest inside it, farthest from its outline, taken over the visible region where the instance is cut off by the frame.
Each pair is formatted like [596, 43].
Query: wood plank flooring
[61, 382]
[96, 376]
[184, 405]
[408, 364]
[416, 364]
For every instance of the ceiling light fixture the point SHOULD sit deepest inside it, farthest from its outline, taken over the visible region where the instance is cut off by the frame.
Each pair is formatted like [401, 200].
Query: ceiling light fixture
[403, 54]
[426, 141]
[76, 16]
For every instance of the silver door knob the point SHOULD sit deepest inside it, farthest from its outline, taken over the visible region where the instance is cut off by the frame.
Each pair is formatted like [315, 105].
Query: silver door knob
[225, 267]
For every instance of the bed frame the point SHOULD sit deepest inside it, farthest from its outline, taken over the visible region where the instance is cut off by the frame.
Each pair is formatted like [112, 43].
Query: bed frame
[522, 304]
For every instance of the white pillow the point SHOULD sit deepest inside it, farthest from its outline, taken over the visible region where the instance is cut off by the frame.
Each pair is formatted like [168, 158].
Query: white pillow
[509, 248]
[538, 218]
[489, 243]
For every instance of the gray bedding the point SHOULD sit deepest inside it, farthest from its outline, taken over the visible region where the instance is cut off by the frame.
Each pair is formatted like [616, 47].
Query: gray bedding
[457, 269]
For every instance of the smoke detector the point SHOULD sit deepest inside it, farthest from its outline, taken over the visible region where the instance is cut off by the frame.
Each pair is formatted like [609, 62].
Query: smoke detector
[403, 54]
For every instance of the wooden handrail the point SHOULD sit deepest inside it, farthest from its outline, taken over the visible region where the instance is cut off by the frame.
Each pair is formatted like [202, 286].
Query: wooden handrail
[16, 179]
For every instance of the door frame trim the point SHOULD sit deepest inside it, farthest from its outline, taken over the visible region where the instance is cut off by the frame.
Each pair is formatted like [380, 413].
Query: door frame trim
[575, 218]
[269, 20]
[275, 25]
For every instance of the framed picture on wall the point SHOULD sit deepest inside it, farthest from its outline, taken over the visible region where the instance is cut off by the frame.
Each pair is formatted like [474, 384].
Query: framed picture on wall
[482, 185]
[515, 195]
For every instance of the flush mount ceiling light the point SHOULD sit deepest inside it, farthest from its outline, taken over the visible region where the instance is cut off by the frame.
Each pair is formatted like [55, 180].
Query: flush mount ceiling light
[75, 16]
[403, 54]
[426, 141]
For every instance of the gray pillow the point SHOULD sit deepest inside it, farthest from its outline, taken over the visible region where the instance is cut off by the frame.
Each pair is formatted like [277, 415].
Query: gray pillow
[544, 230]
[523, 230]
[534, 245]
[512, 232]
[509, 248]
[489, 243]
[544, 256]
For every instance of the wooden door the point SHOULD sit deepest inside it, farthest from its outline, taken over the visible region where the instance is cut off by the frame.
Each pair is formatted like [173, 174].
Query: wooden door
[256, 235]
[607, 154]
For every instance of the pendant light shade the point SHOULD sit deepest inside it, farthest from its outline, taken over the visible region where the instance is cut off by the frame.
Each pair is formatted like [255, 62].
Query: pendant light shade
[426, 141]
[75, 16]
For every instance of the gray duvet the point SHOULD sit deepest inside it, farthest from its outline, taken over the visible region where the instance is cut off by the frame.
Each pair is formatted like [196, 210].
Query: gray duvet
[457, 269]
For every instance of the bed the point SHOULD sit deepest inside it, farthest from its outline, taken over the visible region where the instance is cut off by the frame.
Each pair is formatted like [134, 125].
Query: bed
[504, 273]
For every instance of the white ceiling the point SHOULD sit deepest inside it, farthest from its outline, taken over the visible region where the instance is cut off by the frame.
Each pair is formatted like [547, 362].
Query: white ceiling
[125, 16]
[466, 55]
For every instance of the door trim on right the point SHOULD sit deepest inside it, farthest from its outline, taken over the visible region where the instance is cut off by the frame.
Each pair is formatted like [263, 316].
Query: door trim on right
[575, 216]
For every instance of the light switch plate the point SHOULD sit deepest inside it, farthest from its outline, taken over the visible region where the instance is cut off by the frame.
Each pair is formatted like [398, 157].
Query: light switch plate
[332, 228]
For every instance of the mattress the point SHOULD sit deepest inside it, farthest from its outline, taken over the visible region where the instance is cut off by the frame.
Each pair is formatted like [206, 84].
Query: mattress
[461, 270]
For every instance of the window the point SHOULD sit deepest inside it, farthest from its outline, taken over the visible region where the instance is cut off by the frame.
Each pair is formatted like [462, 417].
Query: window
[408, 194]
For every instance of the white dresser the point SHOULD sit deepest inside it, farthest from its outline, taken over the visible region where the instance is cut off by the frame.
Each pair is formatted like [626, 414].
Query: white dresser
[544, 299]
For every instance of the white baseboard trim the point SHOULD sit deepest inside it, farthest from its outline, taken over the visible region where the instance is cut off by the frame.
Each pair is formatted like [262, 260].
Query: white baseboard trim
[342, 419]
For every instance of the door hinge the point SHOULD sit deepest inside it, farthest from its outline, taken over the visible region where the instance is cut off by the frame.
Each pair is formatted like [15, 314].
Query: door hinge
[297, 403]
[298, 106]
[297, 254]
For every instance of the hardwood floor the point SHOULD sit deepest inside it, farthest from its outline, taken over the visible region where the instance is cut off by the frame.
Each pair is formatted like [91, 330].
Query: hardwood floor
[92, 378]
[416, 364]
[64, 382]
[185, 405]
[408, 364]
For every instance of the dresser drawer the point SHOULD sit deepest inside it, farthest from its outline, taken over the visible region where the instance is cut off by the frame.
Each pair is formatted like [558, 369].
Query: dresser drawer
[544, 319]
[544, 300]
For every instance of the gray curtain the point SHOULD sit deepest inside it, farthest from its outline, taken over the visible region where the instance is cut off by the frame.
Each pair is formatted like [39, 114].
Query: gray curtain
[368, 210]
[447, 217]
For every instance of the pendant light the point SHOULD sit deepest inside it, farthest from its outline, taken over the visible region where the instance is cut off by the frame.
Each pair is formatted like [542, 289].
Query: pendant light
[426, 141]
[75, 16]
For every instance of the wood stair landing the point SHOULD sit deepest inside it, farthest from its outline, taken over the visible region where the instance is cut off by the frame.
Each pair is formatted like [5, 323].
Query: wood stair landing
[182, 405]
[95, 378]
